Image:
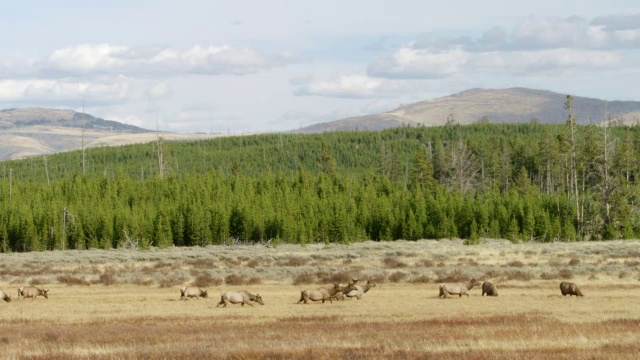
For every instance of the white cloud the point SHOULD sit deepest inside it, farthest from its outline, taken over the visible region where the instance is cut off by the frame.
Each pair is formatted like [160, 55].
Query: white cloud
[159, 91]
[353, 86]
[66, 91]
[107, 59]
[547, 45]
[618, 22]
[527, 62]
[410, 62]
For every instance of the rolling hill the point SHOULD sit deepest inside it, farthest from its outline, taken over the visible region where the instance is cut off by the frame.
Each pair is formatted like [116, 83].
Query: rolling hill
[514, 105]
[28, 132]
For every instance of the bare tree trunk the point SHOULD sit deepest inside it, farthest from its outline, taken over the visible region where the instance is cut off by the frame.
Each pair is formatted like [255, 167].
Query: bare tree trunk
[574, 171]
[46, 169]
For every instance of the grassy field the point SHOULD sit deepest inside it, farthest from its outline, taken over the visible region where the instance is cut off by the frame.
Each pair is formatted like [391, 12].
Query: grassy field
[125, 304]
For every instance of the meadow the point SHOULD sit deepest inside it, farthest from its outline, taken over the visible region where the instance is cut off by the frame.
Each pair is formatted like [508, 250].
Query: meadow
[125, 304]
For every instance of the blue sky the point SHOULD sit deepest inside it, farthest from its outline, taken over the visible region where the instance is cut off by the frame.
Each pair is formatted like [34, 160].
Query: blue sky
[247, 66]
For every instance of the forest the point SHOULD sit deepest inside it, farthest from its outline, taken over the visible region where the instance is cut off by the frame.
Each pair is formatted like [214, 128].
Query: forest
[522, 182]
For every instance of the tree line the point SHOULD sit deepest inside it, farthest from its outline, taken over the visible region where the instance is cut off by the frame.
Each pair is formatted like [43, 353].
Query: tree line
[522, 182]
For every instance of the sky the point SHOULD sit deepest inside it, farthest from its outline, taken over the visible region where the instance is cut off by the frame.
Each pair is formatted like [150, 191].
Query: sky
[268, 66]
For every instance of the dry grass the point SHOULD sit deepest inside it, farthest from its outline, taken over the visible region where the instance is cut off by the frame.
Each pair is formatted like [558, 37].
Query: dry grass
[136, 317]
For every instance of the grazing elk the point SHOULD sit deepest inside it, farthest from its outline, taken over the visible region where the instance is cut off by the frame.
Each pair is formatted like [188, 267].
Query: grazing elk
[33, 292]
[357, 291]
[193, 291]
[569, 288]
[457, 289]
[321, 294]
[239, 297]
[489, 289]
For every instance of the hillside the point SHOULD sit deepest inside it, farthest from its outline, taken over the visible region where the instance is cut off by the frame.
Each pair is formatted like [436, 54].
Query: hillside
[25, 117]
[29, 132]
[515, 105]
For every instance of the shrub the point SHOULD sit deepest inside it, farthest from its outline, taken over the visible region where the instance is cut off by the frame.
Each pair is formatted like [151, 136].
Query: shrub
[566, 274]
[37, 281]
[174, 279]
[422, 279]
[518, 275]
[574, 262]
[378, 278]
[456, 275]
[71, 280]
[107, 279]
[235, 279]
[304, 278]
[334, 277]
[548, 276]
[254, 280]
[206, 280]
[516, 263]
[163, 264]
[397, 276]
[294, 261]
[254, 263]
[491, 274]
[623, 274]
[631, 263]
[392, 262]
[140, 281]
[426, 263]
[202, 263]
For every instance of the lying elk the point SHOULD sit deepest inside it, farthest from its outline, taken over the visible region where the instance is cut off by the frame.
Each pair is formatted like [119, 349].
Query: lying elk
[355, 290]
[457, 289]
[569, 288]
[489, 289]
[33, 292]
[321, 294]
[193, 291]
[4, 296]
[239, 297]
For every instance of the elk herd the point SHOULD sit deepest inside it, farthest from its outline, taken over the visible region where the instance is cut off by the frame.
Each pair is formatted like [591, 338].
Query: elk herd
[335, 292]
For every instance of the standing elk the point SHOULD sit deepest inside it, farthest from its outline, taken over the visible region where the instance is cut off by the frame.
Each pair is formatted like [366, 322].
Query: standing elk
[32, 292]
[321, 294]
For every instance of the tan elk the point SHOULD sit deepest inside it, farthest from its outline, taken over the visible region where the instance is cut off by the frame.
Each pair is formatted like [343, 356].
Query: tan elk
[33, 292]
[239, 297]
[355, 290]
[321, 294]
[457, 289]
[192, 292]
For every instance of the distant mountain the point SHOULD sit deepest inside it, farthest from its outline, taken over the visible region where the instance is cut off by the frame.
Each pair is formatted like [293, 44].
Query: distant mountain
[37, 131]
[514, 105]
[23, 117]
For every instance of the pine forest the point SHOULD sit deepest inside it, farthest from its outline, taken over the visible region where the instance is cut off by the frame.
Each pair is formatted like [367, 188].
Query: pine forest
[522, 182]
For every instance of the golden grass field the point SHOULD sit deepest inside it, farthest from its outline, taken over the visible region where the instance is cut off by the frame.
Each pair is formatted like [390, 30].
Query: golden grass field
[139, 314]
